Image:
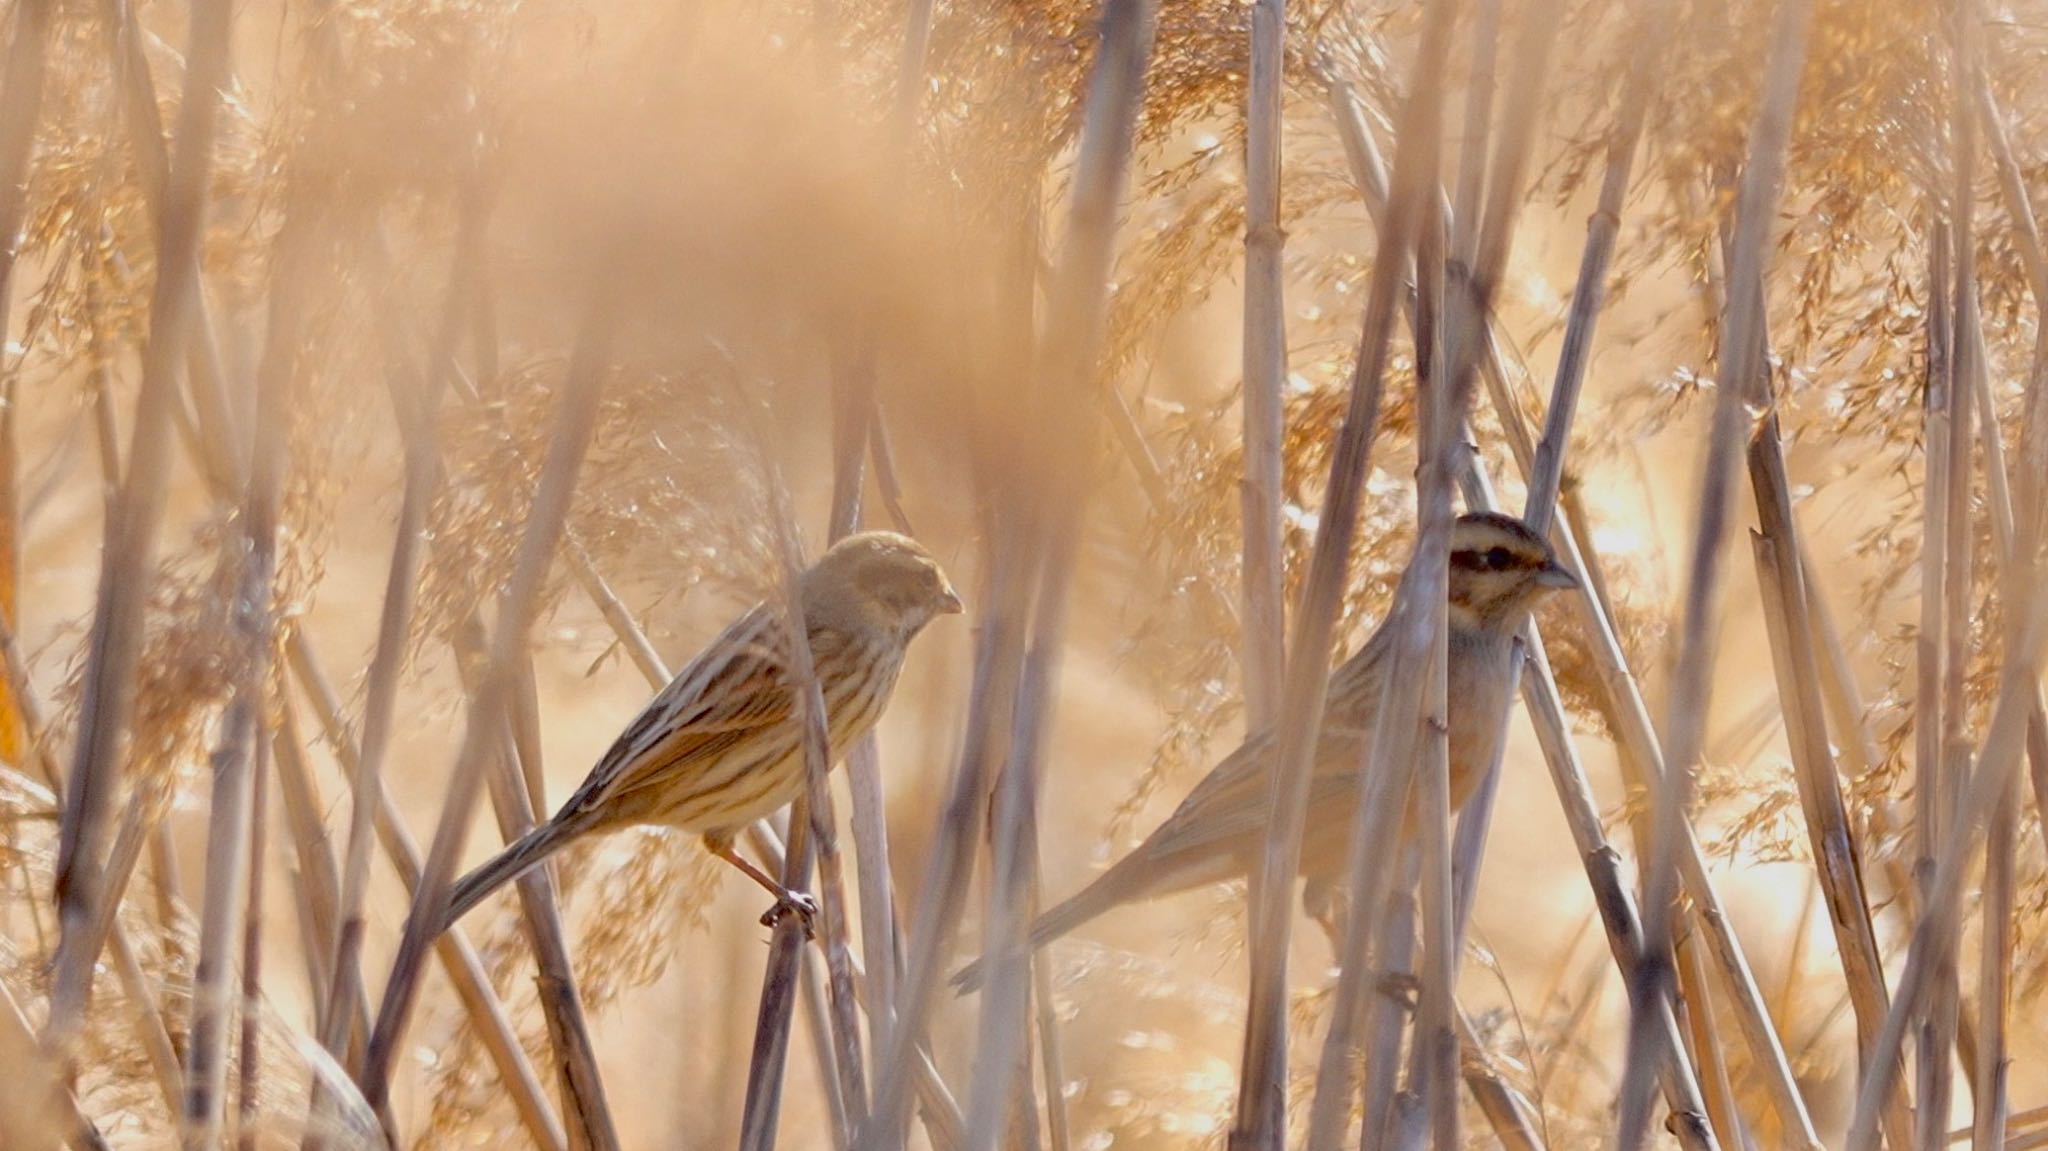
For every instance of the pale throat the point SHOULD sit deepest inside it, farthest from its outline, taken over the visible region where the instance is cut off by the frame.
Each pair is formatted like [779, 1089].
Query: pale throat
[1463, 618]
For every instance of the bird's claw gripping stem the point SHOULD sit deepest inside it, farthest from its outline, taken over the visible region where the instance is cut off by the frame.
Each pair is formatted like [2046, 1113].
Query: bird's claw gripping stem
[796, 903]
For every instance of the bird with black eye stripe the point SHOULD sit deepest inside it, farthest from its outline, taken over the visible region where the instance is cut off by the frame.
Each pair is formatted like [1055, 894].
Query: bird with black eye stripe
[1499, 570]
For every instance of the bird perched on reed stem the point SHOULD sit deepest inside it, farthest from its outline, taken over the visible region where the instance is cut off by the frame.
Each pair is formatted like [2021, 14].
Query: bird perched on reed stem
[721, 745]
[1499, 569]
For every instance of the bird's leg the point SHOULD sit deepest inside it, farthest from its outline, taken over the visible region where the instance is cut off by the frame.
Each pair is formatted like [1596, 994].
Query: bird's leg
[787, 901]
[1328, 903]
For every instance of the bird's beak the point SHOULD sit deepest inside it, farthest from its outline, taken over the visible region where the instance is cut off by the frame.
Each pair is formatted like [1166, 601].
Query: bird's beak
[1556, 575]
[949, 602]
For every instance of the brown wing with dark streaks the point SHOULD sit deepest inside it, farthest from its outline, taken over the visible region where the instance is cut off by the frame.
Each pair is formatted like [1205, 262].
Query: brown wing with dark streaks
[736, 691]
[1234, 800]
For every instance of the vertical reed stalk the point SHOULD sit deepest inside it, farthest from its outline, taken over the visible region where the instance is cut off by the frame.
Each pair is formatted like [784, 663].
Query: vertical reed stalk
[813, 835]
[857, 435]
[570, 440]
[1945, 1007]
[780, 986]
[21, 107]
[1420, 606]
[1261, 638]
[1040, 525]
[116, 638]
[583, 1094]
[413, 409]
[231, 831]
[1739, 360]
[1627, 713]
[952, 859]
[250, 1057]
[1934, 940]
[1837, 858]
[1265, 1063]
[458, 957]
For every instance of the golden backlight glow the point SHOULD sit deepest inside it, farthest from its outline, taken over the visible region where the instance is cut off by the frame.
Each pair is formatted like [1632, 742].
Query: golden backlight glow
[814, 262]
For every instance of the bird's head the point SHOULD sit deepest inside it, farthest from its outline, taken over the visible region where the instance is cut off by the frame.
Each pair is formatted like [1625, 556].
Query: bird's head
[881, 579]
[1499, 570]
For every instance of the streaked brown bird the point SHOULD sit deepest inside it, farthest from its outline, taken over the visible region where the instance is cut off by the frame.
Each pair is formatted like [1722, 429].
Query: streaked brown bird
[1499, 570]
[720, 746]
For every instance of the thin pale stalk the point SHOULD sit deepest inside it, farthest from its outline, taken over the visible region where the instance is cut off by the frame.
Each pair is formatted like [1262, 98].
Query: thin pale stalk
[366, 785]
[1462, 220]
[250, 1056]
[1468, 291]
[941, 1113]
[874, 874]
[821, 844]
[574, 422]
[1066, 363]
[1934, 941]
[231, 831]
[1051, 1053]
[459, 959]
[1739, 359]
[219, 459]
[21, 104]
[141, 816]
[1013, 849]
[228, 852]
[1261, 638]
[1837, 857]
[116, 638]
[1436, 1038]
[317, 888]
[1929, 649]
[150, 1031]
[1386, 1015]
[413, 409]
[857, 436]
[781, 984]
[638, 647]
[1991, 1102]
[583, 1096]
[1433, 1048]
[1940, 1030]
[1265, 1062]
[1589, 292]
[818, 1025]
[1696, 1021]
[1619, 912]
[1040, 525]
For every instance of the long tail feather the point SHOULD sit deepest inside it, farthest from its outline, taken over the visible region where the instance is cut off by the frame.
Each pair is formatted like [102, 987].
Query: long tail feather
[1129, 880]
[528, 852]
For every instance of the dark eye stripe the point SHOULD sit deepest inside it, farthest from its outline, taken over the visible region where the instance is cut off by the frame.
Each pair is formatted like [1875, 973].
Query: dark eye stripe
[1495, 558]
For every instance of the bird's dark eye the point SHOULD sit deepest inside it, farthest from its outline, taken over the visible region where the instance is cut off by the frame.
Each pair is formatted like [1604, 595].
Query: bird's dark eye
[1499, 558]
